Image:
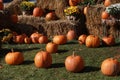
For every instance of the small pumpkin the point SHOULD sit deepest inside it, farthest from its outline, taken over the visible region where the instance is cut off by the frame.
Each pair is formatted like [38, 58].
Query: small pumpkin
[38, 12]
[74, 2]
[14, 18]
[105, 15]
[74, 63]
[92, 41]
[43, 59]
[107, 3]
[50, 16]
[51, 47]
[108, 40]
[82, 39]
[60, 39]
[18, 39]
[14, 58]
[71, 35]
[27, 40]
[35, 36]
[43, 39]
[1, 5]
[110, 67]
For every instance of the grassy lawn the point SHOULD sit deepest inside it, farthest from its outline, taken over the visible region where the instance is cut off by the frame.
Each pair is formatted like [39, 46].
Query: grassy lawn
[93, 58]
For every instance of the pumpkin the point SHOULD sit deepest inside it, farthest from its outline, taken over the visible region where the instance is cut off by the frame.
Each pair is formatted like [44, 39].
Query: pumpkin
[92, 41]
[18, 39]
[105, 15]
[71, 35]
[107, 3]
[1, 5]
[38, 12]
[108, 41]
[43, 39]
[27, 40]
[35, 36]
[14, 18]
[110, 67]
[43, 59]
[14, 58]
[82, 39]
[74, 63]
[60, 39]
[74, 2]
[50, 16]
[51, 47]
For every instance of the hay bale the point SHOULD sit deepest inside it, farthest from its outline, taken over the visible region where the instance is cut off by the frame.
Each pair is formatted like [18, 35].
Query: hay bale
[57, 5]
[13, 6]
[95, 24]
[51, 28]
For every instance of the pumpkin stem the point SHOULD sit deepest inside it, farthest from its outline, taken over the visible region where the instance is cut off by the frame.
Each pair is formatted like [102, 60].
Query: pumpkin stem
[73, 53]
[12, 50]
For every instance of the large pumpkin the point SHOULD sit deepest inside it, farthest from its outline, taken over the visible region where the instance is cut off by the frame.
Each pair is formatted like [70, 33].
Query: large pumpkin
[60, 39]
[14, 58]
[37, 12]
[51, 47]
[74, 63]
[71, 35]
[92, 41]
[43, 59]
[35, 36]
[82, 39]
[43, 39]
[110, 67]
[74, 2]
[108, 40]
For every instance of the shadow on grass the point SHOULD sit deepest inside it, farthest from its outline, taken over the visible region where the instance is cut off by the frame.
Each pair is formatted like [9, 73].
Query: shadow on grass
[90, 69]
[27, 62]
[57, 65]
[72, 42]
[62, 51]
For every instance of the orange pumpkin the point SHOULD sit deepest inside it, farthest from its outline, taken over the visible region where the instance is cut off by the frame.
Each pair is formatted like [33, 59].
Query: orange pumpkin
[110, 67]
[35, 36]
[1, 5]
[27, 40]
[105, 15]
[71, 35]
[14, 18]
[60, 39]
[74, 2]
[50, 16]
[92, 41]
[74, 63]
[18, 39]
[38, 12]
[108, 40]
[107, 3]
[43, 59]
[43, 39]
[51, 47]
[82, 39]
[14, 58]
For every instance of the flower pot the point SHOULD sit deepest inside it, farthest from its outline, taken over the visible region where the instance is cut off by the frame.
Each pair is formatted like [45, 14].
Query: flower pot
[71, 18]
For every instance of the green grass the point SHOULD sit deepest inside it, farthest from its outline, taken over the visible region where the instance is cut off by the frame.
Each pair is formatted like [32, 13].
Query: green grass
[93, 58]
